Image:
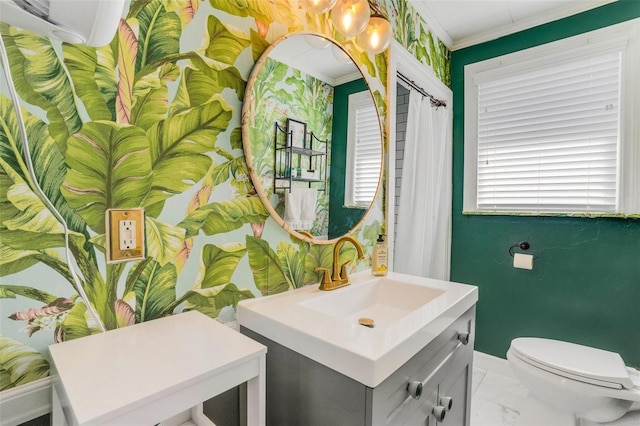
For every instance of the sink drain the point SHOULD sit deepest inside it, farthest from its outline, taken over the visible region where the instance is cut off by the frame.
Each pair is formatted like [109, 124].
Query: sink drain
[367, 322]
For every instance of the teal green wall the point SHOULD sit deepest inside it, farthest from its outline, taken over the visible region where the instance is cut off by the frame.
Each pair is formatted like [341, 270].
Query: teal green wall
[340, 217]
[585, 282]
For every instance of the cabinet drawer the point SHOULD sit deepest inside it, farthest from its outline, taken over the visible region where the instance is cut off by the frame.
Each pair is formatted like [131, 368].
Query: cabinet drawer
[451, 396]
[392, 403]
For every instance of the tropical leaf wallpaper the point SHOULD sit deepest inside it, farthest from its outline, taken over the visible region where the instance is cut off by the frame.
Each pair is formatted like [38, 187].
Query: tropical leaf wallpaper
[150, 120]
[412, 32]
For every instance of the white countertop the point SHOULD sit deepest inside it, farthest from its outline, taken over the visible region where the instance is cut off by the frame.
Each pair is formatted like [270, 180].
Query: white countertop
[103, 375]
[368, 355]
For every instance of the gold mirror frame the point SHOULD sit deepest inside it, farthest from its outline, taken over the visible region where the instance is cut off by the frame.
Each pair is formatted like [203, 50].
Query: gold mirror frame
[248, 111]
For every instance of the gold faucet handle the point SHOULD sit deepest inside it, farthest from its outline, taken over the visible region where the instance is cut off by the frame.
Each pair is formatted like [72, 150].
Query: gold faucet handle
[343, 270]
[326, 277]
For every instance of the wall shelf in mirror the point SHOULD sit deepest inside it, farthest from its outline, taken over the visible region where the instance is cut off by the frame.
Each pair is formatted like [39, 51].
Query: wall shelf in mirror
[295, 84]
[305, 163]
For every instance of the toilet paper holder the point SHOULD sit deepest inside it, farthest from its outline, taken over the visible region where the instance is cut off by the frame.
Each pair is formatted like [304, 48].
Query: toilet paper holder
[524, 245]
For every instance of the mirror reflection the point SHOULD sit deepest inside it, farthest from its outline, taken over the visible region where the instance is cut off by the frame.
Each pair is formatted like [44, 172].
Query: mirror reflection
[312, 137]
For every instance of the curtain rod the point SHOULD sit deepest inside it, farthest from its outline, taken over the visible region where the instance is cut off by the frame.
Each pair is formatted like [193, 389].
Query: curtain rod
[434, 101]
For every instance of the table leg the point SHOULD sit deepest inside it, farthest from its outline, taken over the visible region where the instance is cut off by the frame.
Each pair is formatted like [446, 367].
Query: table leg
[57, 415]
[198, 417]
[256, 396]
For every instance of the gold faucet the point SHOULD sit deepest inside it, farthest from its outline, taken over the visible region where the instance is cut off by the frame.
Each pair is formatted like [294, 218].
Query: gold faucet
[339, 277]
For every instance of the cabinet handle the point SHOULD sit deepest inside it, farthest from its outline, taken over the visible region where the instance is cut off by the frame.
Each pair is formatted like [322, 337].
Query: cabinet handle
[446, 402]
[463, 337]
[439, 413]
[415, 389]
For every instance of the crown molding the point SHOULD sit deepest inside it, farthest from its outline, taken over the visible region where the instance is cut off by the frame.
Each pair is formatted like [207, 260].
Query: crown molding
[566, 10]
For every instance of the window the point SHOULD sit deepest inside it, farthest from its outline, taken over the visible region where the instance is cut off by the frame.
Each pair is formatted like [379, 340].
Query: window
[364, 151]
[552, 129]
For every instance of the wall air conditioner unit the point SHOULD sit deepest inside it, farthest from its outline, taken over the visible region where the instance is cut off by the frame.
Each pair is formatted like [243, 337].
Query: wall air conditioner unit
[90, 22]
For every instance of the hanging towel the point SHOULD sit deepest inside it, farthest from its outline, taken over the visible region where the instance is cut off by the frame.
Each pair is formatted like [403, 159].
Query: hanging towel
[300, 208]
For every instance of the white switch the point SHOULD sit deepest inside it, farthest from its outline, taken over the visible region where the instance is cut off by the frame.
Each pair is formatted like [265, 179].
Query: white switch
[127, 235]
[523, 261]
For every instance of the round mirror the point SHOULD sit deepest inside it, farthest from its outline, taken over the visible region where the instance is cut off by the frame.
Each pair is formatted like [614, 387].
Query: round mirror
[312, 137]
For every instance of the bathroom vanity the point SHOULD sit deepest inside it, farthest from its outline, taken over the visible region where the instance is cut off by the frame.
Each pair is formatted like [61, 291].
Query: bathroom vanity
[324, 368]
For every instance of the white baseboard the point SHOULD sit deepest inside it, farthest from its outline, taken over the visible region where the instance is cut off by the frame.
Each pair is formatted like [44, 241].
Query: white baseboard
[26, 402]
[492, 363]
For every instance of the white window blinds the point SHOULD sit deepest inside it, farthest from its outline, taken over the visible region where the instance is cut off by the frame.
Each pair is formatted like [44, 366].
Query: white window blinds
[364, 153]
[548, 139]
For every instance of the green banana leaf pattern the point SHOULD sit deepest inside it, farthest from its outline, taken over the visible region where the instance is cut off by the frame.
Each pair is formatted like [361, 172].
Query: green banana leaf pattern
[412, 32]
[19, 364]
[150, 120]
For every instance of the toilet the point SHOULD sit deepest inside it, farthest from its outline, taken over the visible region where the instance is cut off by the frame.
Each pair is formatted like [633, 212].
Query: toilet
[574, 385]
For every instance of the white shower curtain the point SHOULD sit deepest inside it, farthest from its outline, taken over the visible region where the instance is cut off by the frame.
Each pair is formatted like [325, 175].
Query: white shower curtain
[423, 239]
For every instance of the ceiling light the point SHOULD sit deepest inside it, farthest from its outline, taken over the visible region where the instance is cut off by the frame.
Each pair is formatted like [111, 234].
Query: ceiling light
[376, 37]
[340, 55]
[316, 42]
[318, 6]
[350, 17]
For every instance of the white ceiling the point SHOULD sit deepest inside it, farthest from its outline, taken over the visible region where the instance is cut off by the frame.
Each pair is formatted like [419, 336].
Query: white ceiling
[465, 23]
[457, 23]
[317, 57]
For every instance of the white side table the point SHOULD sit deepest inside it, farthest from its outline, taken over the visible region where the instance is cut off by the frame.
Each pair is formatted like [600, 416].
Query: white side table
[150, 372]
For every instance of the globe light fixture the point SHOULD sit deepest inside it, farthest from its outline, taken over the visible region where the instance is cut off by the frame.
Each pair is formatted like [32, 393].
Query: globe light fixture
[318, 6]
[316, 42]
[340, 56]
[376, 37]
[350, 17]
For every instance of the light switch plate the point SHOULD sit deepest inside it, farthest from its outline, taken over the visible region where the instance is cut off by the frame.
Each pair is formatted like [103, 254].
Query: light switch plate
[125, 235]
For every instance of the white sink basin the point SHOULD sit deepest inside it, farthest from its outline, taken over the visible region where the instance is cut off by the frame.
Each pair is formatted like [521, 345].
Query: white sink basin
[384, 300]
[408, 312]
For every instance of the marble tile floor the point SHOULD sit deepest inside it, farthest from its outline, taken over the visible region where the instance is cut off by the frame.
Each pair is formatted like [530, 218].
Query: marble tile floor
[495, 398]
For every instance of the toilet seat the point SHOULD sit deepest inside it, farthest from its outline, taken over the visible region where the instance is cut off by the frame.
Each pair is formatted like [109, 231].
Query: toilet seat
[577, 362]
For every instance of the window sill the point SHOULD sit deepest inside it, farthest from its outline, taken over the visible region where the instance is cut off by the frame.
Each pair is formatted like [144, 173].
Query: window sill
[554, 214]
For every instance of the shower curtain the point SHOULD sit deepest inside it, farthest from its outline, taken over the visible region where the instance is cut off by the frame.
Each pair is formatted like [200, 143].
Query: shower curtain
[423, 240]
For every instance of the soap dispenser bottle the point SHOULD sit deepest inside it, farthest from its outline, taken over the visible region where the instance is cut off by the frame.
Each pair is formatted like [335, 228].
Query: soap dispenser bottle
[379, 265]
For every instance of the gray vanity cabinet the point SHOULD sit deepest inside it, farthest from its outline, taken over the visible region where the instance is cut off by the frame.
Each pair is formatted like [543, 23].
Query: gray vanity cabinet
[453, 388]
[301, 391]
